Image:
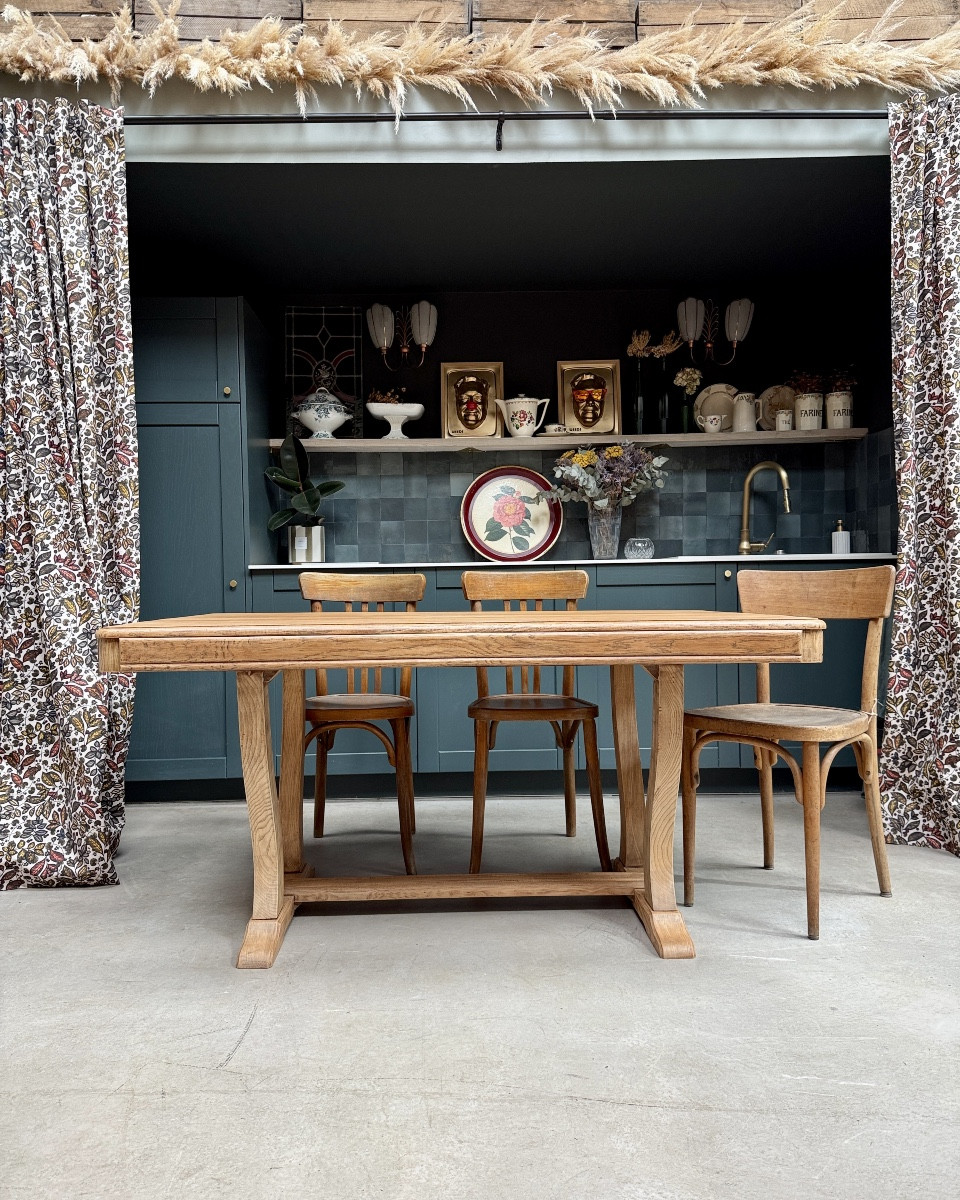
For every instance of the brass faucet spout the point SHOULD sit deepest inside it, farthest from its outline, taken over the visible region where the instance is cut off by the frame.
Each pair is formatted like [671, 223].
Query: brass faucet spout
[747, 546]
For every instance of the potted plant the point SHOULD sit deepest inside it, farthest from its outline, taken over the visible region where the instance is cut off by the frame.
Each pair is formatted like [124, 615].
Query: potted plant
[305, 537]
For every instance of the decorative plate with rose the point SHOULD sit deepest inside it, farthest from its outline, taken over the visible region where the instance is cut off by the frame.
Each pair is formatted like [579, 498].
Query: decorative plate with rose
[502, 518]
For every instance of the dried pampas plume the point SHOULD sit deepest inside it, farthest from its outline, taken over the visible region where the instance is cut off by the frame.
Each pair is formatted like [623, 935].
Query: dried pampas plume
[676, 67]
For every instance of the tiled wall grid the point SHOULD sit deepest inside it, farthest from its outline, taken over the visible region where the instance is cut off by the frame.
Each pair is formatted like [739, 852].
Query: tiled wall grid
[406, 507]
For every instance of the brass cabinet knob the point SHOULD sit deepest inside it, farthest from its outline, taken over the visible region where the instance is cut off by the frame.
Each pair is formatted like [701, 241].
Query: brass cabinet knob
[728, 574]
[233, 583]
[226, 391]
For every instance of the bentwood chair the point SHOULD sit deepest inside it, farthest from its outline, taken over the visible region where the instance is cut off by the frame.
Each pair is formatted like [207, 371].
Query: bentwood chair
[364, 702]
[524, 701]
[858, 594]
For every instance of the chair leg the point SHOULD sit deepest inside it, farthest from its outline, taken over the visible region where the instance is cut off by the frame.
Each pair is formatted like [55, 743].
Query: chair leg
[404, 770]
[867, 761]
[596, 791]
[811, 834]
[569, 783]
[765, 767]
[321, 747]
[480, 756]
[688, 788]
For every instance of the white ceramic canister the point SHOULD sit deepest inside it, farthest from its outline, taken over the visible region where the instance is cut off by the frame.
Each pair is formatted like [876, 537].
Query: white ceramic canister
[808, 409]
[839, 406]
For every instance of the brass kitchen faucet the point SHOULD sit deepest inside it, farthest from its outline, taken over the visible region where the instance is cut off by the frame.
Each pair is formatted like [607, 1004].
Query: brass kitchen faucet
[746, 546]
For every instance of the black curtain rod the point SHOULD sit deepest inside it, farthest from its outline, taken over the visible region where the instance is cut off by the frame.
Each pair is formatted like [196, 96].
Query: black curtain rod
[670, 114]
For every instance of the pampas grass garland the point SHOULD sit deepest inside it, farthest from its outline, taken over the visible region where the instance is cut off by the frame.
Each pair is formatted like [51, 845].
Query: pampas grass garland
[674, 67]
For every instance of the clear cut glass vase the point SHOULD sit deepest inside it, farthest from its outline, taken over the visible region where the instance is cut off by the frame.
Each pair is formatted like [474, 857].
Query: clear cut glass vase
[604, 527]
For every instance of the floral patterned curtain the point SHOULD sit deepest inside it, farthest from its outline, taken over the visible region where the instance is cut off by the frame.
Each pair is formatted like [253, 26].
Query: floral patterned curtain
[69, 535]
[920, 760]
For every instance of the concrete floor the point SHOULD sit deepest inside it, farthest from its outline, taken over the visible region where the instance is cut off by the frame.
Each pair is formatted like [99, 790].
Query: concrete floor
[488, 1049]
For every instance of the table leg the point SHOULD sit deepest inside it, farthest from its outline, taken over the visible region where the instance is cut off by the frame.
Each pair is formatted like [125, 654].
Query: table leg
[291, 770]
[626, 748]
[647, 827]
[271, 910]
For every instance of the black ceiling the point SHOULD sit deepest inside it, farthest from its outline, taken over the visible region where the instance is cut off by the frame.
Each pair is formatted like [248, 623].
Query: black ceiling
[210, 228]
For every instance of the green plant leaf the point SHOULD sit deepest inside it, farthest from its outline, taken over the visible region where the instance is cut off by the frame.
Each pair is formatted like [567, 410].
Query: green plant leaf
[276, 475]
[289, 459]
[303, 462]
[281, 518]
[306, 502]
[520, 543]
[495, 535]
[329, 486]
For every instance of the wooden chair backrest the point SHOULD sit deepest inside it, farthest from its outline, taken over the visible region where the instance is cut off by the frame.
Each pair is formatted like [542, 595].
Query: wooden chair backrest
[362, 593]
[527, 590]
[858, 593]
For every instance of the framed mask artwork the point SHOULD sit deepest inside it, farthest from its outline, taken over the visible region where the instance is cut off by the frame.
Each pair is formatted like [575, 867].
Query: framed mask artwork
[589, 396]
[468, 392]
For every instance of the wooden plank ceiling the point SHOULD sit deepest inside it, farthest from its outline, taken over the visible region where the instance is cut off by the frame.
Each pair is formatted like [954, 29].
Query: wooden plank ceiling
[619, 21]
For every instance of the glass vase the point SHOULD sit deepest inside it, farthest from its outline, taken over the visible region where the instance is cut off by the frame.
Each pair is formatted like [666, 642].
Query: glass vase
[604, 527]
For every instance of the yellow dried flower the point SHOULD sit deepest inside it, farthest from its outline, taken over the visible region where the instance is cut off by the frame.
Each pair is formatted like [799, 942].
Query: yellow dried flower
[613, 452]
[585, 458]
[670, 343]
[638, 344]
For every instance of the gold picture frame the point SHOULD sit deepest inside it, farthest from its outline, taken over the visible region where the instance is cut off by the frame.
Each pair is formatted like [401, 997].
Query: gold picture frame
[573, 412]
[463, 385]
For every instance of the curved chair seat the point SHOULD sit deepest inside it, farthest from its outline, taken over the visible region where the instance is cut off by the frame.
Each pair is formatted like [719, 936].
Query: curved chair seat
[359, 706]
[535, 707]
[861, 594]
[795, 722]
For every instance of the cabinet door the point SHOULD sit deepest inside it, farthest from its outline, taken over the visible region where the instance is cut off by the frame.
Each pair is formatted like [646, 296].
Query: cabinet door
[684, 586]
[192, 546]
[355, 751]
[445, 740]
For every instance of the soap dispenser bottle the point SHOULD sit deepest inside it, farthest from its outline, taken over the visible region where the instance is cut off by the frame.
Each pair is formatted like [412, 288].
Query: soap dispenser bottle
[841, 539]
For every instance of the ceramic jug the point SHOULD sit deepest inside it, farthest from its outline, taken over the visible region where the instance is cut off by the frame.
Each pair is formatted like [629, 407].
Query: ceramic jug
[522, 415]
[746, 412]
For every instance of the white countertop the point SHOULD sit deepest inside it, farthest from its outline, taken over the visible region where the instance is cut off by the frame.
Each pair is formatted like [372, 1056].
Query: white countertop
[579, 562]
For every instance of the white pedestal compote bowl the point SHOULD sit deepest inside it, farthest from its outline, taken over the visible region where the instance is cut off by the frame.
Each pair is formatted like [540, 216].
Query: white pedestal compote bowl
[396, 414]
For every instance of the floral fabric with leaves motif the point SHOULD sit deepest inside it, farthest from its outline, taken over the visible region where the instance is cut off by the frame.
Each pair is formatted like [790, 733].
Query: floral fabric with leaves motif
[69, 554]
[920, 755]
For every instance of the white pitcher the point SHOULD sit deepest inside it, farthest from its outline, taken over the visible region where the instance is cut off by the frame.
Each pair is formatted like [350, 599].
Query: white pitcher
[522, 415]
[746, 412]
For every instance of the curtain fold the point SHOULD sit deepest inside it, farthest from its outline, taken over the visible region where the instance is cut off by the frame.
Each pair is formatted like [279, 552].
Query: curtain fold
[920, 757]
[69, 556]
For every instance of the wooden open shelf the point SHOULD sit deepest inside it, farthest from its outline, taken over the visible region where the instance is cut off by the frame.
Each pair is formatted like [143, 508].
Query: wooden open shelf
[548, 444]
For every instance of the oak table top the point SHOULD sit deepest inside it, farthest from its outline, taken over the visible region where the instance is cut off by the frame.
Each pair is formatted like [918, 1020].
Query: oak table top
[258, 645]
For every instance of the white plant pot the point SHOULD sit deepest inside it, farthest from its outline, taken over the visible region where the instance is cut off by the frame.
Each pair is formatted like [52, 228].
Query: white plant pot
[306, 543]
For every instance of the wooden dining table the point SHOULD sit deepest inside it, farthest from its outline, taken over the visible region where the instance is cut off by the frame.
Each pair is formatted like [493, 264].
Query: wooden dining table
[256, 646]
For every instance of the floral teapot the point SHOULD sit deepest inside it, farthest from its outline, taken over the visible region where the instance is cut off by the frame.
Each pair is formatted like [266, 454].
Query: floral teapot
[322, 413]
[522, 415]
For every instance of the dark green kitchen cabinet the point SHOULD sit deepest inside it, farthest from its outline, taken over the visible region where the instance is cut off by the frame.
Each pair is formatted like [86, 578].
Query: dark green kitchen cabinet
[196, 363]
